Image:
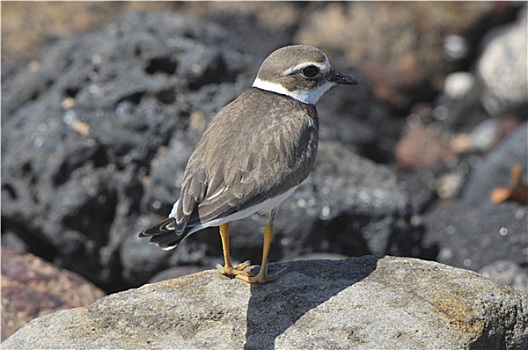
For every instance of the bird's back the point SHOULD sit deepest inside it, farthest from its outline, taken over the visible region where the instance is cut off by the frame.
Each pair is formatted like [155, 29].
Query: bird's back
[243, 160]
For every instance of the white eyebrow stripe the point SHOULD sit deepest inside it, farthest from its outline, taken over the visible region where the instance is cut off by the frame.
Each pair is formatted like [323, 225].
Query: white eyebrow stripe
[324, 67]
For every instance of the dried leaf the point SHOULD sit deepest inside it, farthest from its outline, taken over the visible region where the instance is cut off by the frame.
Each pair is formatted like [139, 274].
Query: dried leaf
[517, 192]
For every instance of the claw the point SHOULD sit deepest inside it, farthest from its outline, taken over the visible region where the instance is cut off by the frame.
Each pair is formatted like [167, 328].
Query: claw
[234, 270]
[238, 270]
[262, 276]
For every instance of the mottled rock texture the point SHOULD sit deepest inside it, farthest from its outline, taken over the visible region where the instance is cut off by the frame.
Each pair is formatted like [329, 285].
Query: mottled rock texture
[360, 303]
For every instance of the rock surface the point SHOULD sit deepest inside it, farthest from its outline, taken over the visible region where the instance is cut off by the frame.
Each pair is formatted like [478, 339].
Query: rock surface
[507, 273]
[360, 303]
[503, 68]
[472, 231]
[32, 287]
[96, 130]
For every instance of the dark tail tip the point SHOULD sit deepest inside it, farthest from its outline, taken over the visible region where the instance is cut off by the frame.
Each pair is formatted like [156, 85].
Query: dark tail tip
[164, 234]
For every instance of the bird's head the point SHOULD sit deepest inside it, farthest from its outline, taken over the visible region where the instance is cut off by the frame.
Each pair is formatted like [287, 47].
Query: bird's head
[300, 71]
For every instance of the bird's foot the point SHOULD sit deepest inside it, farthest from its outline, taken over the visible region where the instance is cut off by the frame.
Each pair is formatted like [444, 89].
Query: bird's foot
[262, 276]
[234, 270]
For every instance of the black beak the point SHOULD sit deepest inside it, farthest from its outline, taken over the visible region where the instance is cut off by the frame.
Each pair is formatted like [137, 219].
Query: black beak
[340, 78]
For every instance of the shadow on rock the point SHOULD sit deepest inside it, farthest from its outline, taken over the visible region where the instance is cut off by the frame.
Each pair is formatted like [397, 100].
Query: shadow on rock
[270, 315]
[357, 303]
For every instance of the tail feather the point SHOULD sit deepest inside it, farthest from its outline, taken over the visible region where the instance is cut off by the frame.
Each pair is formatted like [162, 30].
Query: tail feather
[164, 234]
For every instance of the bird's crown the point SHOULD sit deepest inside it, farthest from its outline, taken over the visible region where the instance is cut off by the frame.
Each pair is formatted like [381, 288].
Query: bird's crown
[300, 71]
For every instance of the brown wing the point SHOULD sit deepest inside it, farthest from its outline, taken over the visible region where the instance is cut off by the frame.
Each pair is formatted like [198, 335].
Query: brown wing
[242, 159]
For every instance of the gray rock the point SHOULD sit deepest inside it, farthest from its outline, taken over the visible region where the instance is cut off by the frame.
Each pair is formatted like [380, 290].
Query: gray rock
[32, 287]
[507, 273]
[360, 303]
[503, 67]
[458, 84]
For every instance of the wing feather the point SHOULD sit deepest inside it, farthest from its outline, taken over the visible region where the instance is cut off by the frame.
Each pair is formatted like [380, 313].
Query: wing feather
[242, 160]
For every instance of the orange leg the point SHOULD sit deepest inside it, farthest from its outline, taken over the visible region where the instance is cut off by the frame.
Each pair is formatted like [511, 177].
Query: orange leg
[228, 269]
[262, 276]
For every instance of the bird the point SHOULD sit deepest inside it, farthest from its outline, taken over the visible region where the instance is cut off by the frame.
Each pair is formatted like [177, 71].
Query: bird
[253, 154]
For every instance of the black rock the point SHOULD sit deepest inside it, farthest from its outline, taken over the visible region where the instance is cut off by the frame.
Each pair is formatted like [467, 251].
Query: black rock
[96, 137]
[347, 206]
[472, 231]
[81, 129]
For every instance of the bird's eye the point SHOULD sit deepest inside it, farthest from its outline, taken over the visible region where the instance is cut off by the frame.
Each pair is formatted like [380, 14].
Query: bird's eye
[310, 72]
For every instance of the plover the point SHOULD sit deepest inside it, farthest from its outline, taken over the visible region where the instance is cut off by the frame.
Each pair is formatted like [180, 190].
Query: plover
[254, 154]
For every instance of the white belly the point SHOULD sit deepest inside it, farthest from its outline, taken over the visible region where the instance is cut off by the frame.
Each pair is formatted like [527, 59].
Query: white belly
[264, 207]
